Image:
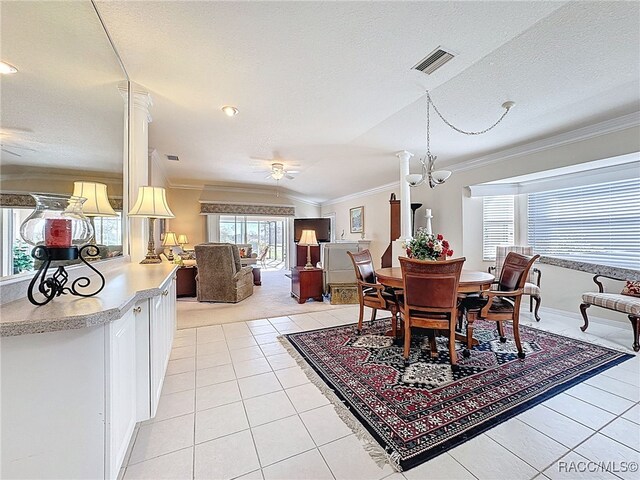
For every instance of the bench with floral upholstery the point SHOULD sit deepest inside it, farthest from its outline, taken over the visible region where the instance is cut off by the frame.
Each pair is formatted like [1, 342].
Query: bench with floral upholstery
[627, 302]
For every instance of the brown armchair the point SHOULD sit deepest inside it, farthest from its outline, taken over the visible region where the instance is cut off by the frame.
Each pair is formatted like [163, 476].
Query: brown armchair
[532, 285]
[370, 293]
[431, 300]
[221, 277]
[503, 303]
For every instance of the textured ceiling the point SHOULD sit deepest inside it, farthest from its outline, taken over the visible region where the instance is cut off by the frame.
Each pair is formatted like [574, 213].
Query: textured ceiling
[62, 109]
[328, 85]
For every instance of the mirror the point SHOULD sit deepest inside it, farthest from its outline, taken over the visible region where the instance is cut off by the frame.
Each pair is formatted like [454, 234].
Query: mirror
[62, 118]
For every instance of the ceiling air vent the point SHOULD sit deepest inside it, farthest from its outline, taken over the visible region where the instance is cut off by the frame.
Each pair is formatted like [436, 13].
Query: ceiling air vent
[173, 157]
[433, 61]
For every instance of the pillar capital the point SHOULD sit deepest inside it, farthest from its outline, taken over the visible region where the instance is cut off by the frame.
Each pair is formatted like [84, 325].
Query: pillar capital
[404, 155]
[140, 98]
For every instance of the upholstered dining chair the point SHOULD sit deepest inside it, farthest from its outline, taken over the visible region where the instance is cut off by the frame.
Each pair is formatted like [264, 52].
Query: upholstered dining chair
[532, 285]
[372, 294]
[430, 300]
[503, 303]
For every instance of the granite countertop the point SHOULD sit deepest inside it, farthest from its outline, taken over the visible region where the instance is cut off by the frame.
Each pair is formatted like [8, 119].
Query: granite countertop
[594, 268]
[125, 285]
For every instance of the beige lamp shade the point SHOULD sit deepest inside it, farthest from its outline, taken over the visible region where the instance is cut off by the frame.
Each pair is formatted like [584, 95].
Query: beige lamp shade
[308, 237]
[97, 204]
[170, 240]
[151, 202]
[182, 239]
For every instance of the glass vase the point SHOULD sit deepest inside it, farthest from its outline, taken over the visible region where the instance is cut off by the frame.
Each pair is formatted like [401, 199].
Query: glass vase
[57, 222]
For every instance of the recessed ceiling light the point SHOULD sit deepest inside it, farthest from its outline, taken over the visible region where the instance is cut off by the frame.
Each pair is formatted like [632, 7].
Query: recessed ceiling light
[229, 110]
[7, 69]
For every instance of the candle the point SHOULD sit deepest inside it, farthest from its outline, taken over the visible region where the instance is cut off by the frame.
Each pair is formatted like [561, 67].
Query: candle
[57, 232]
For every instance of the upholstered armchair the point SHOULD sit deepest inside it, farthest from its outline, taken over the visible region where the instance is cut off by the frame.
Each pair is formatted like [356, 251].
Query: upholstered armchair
[532, 285]
[221, 277]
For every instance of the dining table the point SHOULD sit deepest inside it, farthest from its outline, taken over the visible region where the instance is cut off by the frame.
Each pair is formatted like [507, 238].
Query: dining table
[471, 281]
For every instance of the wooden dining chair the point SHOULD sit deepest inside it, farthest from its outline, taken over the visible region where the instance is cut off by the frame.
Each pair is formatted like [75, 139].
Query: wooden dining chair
[371, 293]
[430, 300]
[503, 303]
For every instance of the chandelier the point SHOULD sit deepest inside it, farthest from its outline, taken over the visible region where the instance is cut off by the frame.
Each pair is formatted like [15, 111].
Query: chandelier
[437, 177]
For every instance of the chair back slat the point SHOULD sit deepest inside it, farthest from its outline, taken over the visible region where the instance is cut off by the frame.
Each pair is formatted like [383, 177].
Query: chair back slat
[429, 284]
[363, 265]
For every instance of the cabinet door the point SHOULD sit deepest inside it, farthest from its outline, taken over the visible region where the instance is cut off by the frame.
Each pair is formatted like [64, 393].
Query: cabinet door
[121, 399]
[162, 327]
[157, 349]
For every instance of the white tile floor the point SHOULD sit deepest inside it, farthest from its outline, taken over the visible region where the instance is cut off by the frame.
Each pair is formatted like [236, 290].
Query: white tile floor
[236, 405]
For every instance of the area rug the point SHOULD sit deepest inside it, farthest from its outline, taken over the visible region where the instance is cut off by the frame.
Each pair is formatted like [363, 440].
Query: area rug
[408, 415]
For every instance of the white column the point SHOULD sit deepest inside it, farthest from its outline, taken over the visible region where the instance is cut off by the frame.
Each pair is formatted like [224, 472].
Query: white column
[405, 195]
[137, 168]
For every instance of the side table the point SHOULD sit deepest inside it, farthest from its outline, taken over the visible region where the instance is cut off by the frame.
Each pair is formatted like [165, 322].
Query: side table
[186, 281]
[257, 279]
[306, 284]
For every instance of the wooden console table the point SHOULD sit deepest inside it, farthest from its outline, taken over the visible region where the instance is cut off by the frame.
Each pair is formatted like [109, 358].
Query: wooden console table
[306, 284]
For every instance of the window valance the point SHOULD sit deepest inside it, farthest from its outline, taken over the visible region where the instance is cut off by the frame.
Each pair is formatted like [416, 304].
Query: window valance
[247, 209]
[24, 200]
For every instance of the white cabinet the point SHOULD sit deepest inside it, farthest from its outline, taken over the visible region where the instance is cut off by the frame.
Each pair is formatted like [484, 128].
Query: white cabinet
[53, 405]
[162, 325]
[71, 399]
[121, 389]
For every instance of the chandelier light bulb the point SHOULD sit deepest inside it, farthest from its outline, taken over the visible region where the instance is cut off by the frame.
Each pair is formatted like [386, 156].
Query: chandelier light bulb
[414, 179]
[7, 68]
[440, 176]
[229, 110]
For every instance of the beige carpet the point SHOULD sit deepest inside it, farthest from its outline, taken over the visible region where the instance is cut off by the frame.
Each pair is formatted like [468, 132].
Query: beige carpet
[271, 299]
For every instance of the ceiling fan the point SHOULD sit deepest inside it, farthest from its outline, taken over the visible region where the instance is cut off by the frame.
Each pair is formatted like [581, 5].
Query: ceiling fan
[11, 143]
[278, 172]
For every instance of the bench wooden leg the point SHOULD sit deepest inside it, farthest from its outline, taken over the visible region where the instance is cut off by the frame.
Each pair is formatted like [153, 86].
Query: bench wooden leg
[583, 311]
[635, 323]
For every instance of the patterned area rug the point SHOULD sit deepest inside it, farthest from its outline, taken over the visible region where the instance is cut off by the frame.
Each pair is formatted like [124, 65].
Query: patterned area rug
[408, 415]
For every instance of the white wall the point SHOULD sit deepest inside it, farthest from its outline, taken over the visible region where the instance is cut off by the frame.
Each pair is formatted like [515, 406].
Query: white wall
[376, 219]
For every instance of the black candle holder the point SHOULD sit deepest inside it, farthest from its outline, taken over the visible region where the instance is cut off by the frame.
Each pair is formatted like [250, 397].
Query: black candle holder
[55, 285]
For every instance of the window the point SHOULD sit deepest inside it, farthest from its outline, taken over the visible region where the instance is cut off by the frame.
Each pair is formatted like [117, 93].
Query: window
[497, 224]
[595, 223]
[108, 230]
[260, 232]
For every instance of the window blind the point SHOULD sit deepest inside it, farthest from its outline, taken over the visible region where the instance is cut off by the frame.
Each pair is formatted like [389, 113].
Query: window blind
[595, 223]
[497, 224]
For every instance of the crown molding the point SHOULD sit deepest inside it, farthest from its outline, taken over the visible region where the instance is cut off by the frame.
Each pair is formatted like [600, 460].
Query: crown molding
[98, 177]
[230, 202]
[363, 193]
[184, 186]
[624, 122]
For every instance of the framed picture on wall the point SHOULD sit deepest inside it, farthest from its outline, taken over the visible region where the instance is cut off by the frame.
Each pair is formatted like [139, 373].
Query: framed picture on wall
[356, 219]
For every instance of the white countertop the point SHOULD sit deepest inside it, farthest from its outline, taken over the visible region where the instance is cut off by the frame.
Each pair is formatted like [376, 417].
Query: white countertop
[124, 286]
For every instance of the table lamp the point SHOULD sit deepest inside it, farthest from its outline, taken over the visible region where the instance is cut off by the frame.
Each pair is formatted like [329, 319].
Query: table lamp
[308, 238]
[151, 203]
[170, 240]
[182, 240]
[97, 203]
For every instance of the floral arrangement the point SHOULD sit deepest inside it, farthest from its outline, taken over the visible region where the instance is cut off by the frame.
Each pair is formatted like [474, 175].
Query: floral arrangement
[427, 246]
